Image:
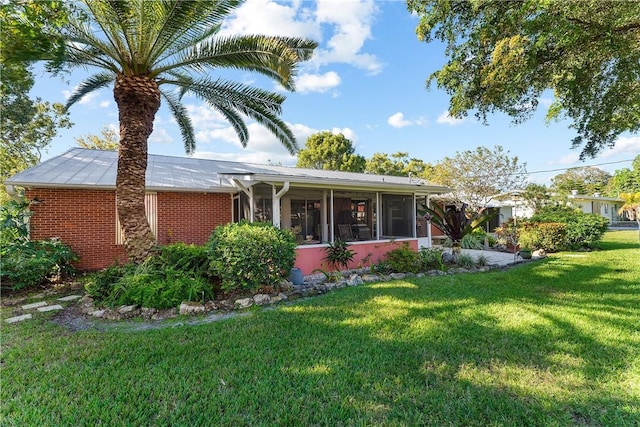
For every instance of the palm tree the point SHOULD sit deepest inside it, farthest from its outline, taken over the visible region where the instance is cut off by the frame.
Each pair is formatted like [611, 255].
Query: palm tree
[631, 207]
[144, 46]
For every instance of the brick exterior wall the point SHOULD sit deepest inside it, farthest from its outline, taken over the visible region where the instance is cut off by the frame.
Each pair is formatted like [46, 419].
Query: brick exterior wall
[85, 220]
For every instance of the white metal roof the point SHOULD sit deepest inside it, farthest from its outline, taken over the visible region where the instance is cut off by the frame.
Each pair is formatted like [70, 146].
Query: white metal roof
[82, 168]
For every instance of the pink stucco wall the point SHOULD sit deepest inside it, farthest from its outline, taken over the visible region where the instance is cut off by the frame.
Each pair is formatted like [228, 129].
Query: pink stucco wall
[309, 258]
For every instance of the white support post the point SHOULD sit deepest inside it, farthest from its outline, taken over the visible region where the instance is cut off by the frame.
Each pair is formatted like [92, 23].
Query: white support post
[277, 195]
[331, 216]
[249, 193]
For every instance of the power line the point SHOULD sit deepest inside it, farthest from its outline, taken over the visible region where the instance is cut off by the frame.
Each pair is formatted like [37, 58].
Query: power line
[579, 167]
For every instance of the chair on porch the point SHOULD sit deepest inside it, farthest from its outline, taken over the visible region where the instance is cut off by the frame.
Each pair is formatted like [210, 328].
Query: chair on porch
[344, 232]
[364, 233]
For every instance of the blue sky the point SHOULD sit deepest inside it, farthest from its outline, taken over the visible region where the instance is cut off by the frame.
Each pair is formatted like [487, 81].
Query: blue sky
[366, 80]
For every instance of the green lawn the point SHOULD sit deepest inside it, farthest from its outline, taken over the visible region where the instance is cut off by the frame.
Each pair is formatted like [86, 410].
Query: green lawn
[554, 342]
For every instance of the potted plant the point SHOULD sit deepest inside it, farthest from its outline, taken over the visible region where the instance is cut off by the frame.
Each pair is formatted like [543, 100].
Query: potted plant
[525, 253]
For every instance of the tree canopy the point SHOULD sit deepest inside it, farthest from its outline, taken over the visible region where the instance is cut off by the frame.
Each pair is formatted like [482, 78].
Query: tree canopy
[330, 151]
[107, 140]
[477, 176]
[503, 55]
[585, 180]
[397, 164]
[625, 180]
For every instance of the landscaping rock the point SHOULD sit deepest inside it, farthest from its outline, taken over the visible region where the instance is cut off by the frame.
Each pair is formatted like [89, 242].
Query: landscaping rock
[355, 280]
[97, 313]
[18, 318]
[165, 314]
[261, 299]
[368, 278]
[398, 276]
[244, 303]
[191, 307]
[147, 312]
[34, 305]
[540, 253]
[127, 309]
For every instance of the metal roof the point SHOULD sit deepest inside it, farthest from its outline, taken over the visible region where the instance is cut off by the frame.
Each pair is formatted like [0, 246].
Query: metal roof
[82, 168]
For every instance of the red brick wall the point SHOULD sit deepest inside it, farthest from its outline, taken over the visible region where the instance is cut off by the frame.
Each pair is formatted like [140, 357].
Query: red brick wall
[191, 217]
[85, 220]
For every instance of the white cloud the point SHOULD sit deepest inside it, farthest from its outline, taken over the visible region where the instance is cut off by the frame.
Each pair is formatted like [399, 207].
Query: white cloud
[317, 82]
[569, 159]
[447, 119]
[88, 99]
[104, 104]
[160, 136]
[347, 132]
[347, 24]
[624, 146]
[397, 120]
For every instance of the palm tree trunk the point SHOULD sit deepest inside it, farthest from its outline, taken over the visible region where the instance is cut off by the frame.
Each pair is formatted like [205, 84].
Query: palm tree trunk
[138, 99]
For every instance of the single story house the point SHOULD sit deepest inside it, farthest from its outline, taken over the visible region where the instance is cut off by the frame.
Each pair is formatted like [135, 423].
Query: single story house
[607, 207]
[72, 197]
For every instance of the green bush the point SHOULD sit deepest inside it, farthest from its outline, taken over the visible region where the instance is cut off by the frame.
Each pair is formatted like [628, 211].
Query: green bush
[583, 230]
[465, 261]
[28, 264]
[550, 236]
[249, 255]
[430, 258]
[473, 241]
[99, 285]
[404, 260]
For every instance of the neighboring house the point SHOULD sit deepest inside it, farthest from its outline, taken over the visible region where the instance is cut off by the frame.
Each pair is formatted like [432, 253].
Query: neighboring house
[607, 207]
[72, 197]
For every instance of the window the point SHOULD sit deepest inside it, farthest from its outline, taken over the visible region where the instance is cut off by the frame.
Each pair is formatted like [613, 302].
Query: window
[151, 210]
[305, 218]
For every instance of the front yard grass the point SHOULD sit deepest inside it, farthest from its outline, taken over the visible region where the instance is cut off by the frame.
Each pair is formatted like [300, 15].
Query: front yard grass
[553, 342]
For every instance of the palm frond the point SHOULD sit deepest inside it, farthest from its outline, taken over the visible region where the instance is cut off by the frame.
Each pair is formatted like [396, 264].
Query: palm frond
[184, 122]
[97, 81]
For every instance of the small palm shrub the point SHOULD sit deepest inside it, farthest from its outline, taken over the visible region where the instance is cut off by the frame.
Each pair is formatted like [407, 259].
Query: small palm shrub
[338, 254]
[404, 260]
[246, 256]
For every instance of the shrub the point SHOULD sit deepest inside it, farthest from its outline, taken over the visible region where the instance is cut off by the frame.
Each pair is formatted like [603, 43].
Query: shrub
[339, 254]
[28, 264]
[550, 236]
[472, 241]
[99, 285]
[431, 258]
[382, 267]
[159, 289]
[249, 255]
[404, 260]
[583, 230]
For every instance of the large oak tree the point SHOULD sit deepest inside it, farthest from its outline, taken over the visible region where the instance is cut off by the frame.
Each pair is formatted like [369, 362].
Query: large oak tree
[146, 48]
[503, 55]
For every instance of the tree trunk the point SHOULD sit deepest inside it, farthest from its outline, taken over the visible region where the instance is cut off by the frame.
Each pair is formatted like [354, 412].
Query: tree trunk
[138, 99]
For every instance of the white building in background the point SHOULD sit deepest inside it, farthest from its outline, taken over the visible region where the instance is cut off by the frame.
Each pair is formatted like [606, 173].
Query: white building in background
[605, 206]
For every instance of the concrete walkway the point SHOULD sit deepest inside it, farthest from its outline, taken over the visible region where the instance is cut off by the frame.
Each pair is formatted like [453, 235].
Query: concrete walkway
[493, 257]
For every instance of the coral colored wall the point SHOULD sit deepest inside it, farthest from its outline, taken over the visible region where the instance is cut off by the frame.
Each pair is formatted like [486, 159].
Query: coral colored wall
[309, 258]
[85, 220]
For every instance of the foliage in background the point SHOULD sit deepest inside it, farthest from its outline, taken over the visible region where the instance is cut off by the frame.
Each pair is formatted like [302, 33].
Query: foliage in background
[246, 256]
[477, 176]
[30, 32]
[330, 151]
[397, 164]
[537, 196]
[586, 180]
[14, 222]
[403, 259]
[107, 140]
[504, 55]
[626, 180]
[338, 254]
[631, 207]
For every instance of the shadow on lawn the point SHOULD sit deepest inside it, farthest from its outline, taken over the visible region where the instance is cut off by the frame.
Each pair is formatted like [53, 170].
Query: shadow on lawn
[525, 347]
